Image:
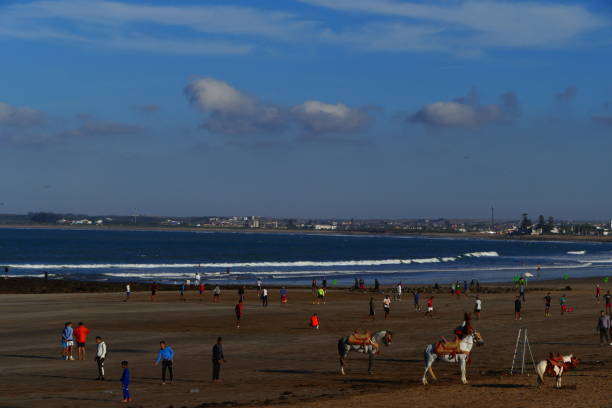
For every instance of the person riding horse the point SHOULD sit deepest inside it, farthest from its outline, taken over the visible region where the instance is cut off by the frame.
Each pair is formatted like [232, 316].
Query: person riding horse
[466, 327]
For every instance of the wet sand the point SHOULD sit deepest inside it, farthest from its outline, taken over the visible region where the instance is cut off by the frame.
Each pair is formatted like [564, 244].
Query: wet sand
[274, 358]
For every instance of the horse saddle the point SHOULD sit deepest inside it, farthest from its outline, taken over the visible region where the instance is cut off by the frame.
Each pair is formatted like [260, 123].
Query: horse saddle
[360, 339]
[446, 348]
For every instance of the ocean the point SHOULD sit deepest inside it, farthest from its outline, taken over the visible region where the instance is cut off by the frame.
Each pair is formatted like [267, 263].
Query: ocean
[289, 258]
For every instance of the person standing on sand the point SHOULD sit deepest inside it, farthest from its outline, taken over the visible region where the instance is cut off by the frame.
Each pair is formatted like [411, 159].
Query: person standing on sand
[387, 305]
[320, 295]
[216, 294]
[201, 290]
[241, 292]
[608, 302]
[125, 382]
[562, 300]
[238, 310]
[217, 359]
[547, 300]
[603, 326]
[128, 291]
[182, 291]
[153, 291]
[100, 357]
[264, 297]
[517, 308]
[522, 290]
[477, 307]
[399, 291]
[283, 295]
[68, 341]
[259, 287]
[430, 308]
[80, 335]
[372, 311]
[166, 356]
[597, 293]
[417, 296]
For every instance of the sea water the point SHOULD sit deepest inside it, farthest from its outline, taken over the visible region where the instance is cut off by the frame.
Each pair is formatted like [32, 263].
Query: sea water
[289, 258]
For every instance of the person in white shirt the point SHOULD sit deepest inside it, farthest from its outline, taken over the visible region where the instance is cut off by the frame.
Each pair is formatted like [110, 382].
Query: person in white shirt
[264, 297]
[127, 292]
[399, 291]
[477, 307]
[387, 305]
[100, 357]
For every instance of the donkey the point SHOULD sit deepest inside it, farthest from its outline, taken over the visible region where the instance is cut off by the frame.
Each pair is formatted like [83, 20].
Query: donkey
[369, 345]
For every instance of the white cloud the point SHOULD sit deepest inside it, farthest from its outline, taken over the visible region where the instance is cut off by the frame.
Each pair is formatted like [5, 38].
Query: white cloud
[466, 112]
[233, 112]
[14, 116]
[319, 117]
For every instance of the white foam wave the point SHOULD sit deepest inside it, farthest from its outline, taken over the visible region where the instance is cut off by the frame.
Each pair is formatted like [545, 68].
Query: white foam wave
[285, 264]
[576, 252]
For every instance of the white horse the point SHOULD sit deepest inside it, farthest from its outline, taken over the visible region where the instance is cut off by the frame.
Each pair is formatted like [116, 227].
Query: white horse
[370, 347]
[461, 356]
[555, 367]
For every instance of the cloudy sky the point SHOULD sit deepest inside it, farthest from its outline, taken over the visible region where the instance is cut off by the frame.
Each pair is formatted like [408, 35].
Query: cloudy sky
[307, 108]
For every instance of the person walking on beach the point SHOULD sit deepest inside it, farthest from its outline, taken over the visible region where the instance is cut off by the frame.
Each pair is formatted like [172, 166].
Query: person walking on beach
[182, 291]
[100, 357]
[372, 311]
[216, 294]
[241, 292]
[430, 308]
[217, 359]
[320, 295]
[127, 292]
[387, 305]
[259, 287]
[522, 290]
[264, 297]
[125, 382]
[608, 302]
[166, 356]
[417, 296]
[399, 292]
[283, 295]
[603, 325]
[201, 290]
[517, 308]
[314, 321]
[376, 286]
[80, 335]
[562, 301]
[238, 310]
[597, 293]
[547, 300]
[153, 291]
[68, 341]
[477, 307]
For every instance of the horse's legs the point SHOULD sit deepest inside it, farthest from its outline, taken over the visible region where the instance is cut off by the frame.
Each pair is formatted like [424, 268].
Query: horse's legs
[463, 363]
[342, 366]
[370, 361]
[429, 359]
[432, 374]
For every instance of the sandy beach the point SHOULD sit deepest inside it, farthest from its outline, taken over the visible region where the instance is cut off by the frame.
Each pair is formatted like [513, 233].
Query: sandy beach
[275, 358]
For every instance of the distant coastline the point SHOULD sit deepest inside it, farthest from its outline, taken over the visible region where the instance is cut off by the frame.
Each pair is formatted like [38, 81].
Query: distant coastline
[459, 235]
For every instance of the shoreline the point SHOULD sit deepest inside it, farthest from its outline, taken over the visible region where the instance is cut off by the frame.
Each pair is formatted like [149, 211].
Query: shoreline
[458, 235]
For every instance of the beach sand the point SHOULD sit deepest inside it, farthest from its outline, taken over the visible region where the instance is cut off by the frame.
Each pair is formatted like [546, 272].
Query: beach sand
[274, 358]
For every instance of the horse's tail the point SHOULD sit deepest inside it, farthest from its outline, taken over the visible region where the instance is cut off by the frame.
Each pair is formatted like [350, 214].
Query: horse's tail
[541, 369]
[342, 346]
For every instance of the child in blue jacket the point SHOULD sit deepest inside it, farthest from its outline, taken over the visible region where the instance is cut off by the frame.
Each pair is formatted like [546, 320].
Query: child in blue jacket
[125, 382]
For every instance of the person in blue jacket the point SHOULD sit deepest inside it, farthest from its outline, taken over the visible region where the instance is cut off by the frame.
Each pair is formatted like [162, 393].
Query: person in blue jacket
[125, 382]
[165, 355]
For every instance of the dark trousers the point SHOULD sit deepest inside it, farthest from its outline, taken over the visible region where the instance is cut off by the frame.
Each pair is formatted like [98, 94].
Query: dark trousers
[216, 369]
[126, 392]
[166, 365]
[264, 300]
[100, 363]
[604, 336]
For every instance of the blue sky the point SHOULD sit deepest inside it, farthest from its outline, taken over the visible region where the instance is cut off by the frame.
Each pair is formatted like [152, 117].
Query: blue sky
[311, 108]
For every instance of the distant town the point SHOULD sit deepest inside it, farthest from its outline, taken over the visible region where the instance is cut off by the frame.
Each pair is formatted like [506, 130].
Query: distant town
[523, 225]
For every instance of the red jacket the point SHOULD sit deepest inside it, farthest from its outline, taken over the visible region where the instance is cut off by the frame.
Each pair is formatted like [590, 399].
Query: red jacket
[80, 334]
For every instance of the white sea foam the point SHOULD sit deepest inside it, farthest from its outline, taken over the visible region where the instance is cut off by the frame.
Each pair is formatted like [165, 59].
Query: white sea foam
[576, 252]
[284, 264]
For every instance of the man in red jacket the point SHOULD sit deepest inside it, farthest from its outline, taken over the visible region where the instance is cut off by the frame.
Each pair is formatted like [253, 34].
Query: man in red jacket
[80, 335]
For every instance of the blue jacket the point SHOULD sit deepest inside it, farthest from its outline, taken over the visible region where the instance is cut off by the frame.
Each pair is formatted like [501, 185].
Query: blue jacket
[165, 354]
[68, 334]
[125, 377]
